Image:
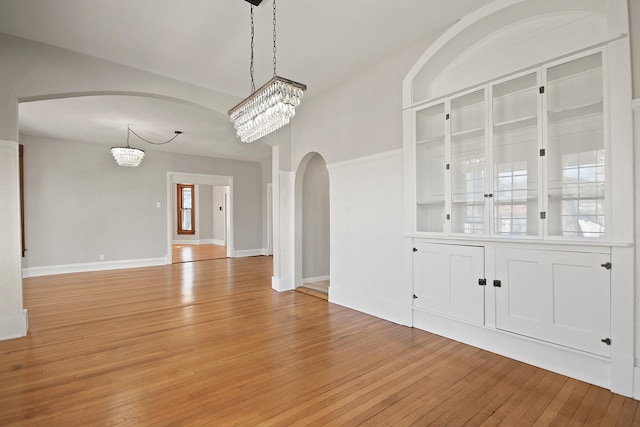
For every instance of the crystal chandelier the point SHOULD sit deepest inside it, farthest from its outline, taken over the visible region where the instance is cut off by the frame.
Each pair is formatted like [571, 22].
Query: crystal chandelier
[130, 156]
[270, 107]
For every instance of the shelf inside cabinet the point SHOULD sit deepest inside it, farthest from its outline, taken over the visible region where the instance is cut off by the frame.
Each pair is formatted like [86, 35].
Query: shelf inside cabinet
[576, 112]
[432, 140]
[460, 198]
[431, 203]
[468, 134]
[515, 124]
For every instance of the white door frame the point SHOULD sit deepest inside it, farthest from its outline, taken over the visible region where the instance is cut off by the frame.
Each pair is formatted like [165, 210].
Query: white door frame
[201, 179]
[269, 219]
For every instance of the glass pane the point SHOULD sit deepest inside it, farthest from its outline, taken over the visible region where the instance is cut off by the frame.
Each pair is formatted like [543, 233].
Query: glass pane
[430, 169]
[186, 219]
[468, 163]
[515, 156]
[576, 159]
[186, 198]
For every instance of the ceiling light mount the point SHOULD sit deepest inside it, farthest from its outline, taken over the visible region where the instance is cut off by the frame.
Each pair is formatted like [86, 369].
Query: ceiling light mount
[254, 2]
[270, 107]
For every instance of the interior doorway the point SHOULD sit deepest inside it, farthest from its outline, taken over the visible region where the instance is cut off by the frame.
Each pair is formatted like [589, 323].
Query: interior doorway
[214, 217]
[312, 226]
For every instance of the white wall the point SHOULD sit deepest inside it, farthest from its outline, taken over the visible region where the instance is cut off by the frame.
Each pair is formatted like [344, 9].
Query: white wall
[266, 179]
[315, 219]
[219, 208]
[79, 204]
[205, 209]
[370, 265]
[361, 116]
[13, 322]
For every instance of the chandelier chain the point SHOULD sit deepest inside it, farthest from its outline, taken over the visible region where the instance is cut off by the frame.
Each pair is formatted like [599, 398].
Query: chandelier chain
[177, 133]
[274, 38]
[253, 84]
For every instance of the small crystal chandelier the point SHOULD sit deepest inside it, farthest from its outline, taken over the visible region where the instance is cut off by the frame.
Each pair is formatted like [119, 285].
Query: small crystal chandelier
[130, 156]
[270, 107]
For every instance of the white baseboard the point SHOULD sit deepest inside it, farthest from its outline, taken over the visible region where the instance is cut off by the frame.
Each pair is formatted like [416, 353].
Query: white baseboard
[184, 242]
[14, 327]
[91, 266]
[575, 364]
[315, 279]
[636, 383]
[198, 242]
[242, 253]
[393, 311]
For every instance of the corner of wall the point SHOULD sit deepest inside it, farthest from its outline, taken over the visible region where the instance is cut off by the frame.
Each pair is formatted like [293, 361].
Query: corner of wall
[14, 327]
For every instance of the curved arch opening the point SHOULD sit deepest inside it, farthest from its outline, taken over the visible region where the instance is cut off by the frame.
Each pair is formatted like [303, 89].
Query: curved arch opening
[312, 267]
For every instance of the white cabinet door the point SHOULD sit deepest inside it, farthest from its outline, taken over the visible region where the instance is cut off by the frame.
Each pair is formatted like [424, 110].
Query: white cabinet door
[559, 297]
[446, 280]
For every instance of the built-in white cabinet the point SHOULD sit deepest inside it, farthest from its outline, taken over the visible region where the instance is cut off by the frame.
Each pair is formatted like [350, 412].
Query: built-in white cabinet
[562, 297]
[518, 151]
[523, 156]
[556, 296]
[446, 281]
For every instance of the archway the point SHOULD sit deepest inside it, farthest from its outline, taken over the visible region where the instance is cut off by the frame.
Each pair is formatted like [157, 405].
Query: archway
[312, 225]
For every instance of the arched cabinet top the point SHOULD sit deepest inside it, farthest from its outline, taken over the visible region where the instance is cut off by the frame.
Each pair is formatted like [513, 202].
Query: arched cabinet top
[508, 36]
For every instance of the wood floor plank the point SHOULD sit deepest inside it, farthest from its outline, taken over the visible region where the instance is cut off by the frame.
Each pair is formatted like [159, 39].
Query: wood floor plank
[210, 343]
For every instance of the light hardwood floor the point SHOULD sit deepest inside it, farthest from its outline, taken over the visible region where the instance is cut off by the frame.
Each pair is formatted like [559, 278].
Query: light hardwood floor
[209, 343]
[189, 253]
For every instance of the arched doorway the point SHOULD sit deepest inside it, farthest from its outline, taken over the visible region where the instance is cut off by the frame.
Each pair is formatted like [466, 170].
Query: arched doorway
[312, 226]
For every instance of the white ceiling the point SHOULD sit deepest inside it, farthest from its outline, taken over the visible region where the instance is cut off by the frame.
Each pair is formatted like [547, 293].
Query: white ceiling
[206, 42]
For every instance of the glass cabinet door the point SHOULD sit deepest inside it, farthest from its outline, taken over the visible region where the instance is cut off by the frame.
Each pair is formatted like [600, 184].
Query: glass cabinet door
[430, 169]
[575, 148]
[468, 145]
[515, 134]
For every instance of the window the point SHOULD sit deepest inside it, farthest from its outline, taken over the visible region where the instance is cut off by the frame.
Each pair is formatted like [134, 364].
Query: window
[186, 214]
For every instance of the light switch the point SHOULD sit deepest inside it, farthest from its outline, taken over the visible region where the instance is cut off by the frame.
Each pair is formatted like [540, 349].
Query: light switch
[158, 204]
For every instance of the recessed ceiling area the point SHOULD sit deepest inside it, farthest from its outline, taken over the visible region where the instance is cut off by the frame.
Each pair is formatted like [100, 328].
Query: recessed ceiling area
[103, 120]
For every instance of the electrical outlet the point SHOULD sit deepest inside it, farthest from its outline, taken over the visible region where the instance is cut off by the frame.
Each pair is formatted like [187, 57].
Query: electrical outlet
[101, 257]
